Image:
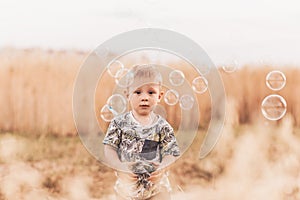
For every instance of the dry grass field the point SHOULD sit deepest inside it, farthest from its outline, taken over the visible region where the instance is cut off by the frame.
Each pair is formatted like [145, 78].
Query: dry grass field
[41, 156]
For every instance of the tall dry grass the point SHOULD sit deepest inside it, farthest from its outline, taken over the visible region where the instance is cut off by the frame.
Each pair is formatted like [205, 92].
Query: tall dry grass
[36, 92]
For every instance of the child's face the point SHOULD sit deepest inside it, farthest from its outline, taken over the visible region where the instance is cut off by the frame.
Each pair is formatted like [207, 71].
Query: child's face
[144, 98]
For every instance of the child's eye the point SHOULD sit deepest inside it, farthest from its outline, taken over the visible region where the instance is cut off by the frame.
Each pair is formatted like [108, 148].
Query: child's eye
[137, 92]
[152, 92]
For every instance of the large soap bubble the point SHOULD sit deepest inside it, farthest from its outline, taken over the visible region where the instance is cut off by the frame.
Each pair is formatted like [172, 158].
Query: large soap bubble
[273, 107]
[108, 58]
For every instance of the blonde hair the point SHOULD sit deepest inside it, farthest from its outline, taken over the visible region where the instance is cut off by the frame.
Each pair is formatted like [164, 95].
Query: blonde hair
[144, 74]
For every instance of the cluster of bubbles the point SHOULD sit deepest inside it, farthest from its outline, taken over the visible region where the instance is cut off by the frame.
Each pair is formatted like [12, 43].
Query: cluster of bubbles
[117, 103]
[186, 101]
[274, 106]
[121, 74]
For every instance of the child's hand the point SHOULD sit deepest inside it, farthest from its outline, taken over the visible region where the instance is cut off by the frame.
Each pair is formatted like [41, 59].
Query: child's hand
[155, 176]
[156, 165]
[130, 166]
[127, 176]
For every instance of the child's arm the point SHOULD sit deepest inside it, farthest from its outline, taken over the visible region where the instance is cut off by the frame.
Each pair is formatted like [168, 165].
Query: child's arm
[113, 159]
[157, 174]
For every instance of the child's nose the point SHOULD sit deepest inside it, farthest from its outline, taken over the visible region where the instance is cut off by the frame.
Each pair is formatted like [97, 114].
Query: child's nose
[144, 97]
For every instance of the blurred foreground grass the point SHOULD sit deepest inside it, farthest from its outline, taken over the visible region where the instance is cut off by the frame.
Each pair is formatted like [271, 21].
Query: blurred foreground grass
[55, 159]
[249, 162]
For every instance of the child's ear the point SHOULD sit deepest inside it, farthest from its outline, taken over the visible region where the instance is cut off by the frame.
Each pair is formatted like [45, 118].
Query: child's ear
[161, 94]
[126, 93]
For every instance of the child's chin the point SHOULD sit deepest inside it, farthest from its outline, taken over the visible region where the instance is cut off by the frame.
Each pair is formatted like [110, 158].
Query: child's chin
[145, 113]
[145, 109]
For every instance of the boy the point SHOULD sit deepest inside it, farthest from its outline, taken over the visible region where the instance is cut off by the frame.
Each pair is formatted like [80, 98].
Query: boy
[141, 141]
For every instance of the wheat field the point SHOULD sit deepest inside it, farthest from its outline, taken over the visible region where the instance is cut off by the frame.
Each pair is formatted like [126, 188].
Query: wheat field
[41, 156]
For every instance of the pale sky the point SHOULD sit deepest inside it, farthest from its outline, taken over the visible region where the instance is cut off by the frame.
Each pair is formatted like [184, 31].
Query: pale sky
[247, 31]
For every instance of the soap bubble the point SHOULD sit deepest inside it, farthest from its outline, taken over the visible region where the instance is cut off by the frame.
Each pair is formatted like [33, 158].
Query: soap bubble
[275, 80]
[114, 67]
[117, 104]
[231, 67]
[124, 78]
[186, 102]
[171, 97]
[176, 77]
[106, 113]
[200, 84]
[273, 107]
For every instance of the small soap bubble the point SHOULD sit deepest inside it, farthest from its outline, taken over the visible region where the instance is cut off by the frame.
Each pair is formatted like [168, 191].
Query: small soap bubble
[106, 113]
[171, 97]
[117, 104]
[124, 78]
[231, 67]
[273, 107]
[275, 80]
[200, 84]
[176, 77]
[114, 67]
[186, 102]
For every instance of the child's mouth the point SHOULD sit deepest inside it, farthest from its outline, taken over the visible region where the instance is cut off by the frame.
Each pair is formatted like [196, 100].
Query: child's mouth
[144, 106]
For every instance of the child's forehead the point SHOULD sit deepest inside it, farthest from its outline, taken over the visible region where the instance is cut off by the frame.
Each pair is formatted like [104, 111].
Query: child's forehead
[148, 86]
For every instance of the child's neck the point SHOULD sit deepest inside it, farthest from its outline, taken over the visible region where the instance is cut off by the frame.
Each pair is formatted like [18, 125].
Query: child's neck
[144, 120]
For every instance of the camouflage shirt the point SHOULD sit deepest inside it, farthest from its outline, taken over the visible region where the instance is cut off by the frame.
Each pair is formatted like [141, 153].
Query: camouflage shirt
[135, 142]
